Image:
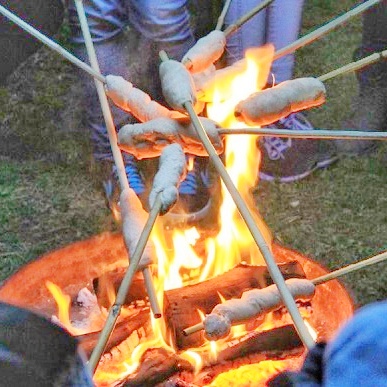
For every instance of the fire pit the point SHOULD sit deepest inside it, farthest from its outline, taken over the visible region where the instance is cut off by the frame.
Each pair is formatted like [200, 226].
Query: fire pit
[74, 267]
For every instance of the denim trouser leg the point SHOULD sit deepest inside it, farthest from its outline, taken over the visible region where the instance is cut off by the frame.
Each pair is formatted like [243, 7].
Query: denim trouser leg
[252, 34]
[158, 24]
[278, 24]
[167, 23]
[283, 27]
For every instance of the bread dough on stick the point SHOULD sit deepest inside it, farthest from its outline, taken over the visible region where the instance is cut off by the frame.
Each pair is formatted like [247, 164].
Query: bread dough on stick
[205, 52]
[148, 139]
[252, 304]
[134, 218]
[270, 105]
[133, 100]
[177, 85]
[172, 170]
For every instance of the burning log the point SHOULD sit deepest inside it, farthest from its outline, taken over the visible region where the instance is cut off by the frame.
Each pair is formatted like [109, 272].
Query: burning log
[157, 365]
[237, 280]
[181, 305]
[133, 327]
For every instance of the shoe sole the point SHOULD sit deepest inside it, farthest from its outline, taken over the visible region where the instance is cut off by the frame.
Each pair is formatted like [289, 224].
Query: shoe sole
[290, 179]
[190, 217]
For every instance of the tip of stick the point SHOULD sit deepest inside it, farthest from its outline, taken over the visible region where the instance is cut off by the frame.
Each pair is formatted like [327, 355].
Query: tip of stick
[163, 55]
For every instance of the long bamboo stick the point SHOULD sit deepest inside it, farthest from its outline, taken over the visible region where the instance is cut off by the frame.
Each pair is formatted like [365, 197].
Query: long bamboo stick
[314, 134]
[245, 18]
[273, 269]
[222, 15]
[321, 31]
[243, 209]
[115, 310]
[254, 230]
[118, 159]
[317, 281]
[350, 268]
[50, 43]
[354, 66]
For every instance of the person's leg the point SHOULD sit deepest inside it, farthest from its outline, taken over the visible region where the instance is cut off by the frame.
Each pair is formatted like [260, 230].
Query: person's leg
[166, 23]
[107, 20]
[252, 34]
[369, 110]
[283, 27]
[286, 159]
[15, 44]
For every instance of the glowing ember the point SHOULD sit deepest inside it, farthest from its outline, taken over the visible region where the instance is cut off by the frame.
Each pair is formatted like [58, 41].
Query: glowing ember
[249, 375]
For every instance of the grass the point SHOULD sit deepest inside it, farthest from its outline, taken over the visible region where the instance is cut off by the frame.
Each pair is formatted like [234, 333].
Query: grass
[50, 196]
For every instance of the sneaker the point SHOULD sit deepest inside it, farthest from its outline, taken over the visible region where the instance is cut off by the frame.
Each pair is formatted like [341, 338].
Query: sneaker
[194, 201]
[369, 108]
[135, 180]
[287, 160]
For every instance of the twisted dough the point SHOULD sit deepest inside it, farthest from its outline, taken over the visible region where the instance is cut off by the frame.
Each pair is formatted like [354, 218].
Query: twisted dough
[205, 52]
[148, 139]
[252, 304]
[172, 170]
[270, 105]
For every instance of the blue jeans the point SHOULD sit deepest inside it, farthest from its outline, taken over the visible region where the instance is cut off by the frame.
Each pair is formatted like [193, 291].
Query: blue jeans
[166, 25]
[278, 24]
[160, 25]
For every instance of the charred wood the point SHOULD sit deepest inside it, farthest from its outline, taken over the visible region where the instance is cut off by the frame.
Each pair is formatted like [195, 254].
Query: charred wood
[135, 324]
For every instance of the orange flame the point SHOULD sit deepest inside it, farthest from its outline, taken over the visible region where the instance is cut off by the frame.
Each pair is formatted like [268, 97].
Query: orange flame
[178, 260]
[63, 302]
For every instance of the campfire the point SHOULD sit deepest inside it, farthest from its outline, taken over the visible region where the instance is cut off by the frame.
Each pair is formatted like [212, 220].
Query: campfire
[197, 270]
[268, 346]
[228, 316]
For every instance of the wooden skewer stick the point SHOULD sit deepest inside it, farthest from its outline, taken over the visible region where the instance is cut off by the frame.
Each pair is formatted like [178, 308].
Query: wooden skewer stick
[321, 31]
[115, 310]
[317, 281]
[354, 66]
[119, 162]
[245, 18]
[253, 228]
[243, 209]
[50, 43]
[350, 268]
[222, 15]
[316, 133]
